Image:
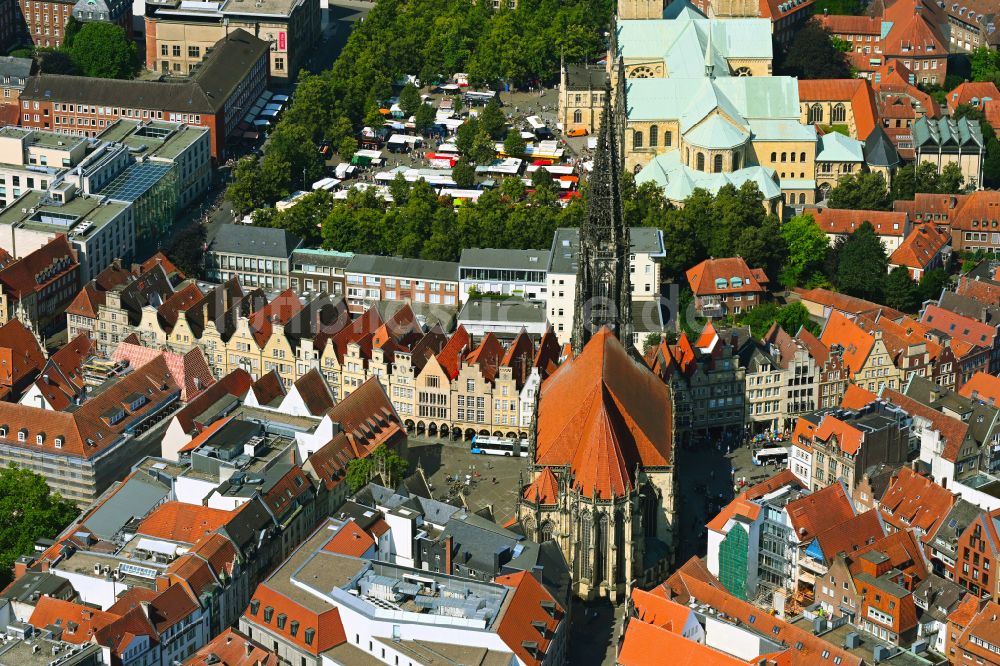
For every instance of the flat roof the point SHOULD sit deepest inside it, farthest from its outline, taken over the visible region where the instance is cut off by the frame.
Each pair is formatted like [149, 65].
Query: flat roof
[507, 310]
[156, 138]
[510, 259]
[566, 247]
[39, 652]
[54, 218]
[42, 138]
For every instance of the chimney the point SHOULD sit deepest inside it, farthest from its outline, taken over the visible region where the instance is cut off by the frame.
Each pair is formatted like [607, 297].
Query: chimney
[944, 482]
[447, 555]
[249, 647]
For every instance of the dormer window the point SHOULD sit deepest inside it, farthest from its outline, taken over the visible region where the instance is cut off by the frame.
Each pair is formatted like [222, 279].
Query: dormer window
[58, 442]
[22, 435]
[40, 438]
[3, 431]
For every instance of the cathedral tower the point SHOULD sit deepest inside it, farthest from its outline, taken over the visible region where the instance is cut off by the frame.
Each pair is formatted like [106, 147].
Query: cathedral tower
[603, 285]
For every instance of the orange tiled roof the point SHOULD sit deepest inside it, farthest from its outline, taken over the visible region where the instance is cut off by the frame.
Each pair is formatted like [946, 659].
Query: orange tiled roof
[815, 513]
[856, 341]
[785, 477]
[844, 303]
[920, 248]
[856, 397]
[850, 535]
[973, 93]
[983, 387]
[190, 371]
[487, 356]
[231, 648]
[350, 540]
[27, 275]
[96, 424]
[857, 92]
[544, 489]
[646, 645]
[21, 357]
[703, 277]
[279, 311]
[958, 327]
[186, 523]
[177, 302]
[738, 507]
[982, 628]
[656, 610]
[61, 380]
[236, 383]
[953, 431]
[848, 437]
[526, 619]
[324, 628]
[846, 221]
[547, 356]
[80, 623]
[454, 350]
[914, 501]
[315, 392]
[603, 415]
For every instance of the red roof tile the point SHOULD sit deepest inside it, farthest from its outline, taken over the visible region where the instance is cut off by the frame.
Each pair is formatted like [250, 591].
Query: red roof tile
[190, 371]
[851, 535]
[706, 276]
[487, 356]
[843, 221]
[856, 397]
[526, 620]
[315, 392]
[983, 387]
[21, 357]
[37, 271]
[815, 513]
[920, 248]
[739, 507]
[544, 489]
[959, 327]
[782, 479]
[454, 351]
[279, 311]
[350, 540]
[186, 523]
[856, 341]
[858, 92]
[952, 431]
[324, 628]
[231, 648]
[602, 414]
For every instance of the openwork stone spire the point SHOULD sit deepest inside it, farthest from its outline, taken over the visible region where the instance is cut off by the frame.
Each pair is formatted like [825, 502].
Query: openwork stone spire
[603, 286]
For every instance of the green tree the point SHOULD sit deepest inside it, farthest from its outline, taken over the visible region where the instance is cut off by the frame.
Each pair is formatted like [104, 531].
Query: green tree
[347, 147]
[813, 55]
[409, 99]
[103, 50]
[424, 117]
[807, 246]
[541, 178]
[383, 462]
[72, 30]
[492, 119]
[985, 63]
[514, 144]
[465, 136]
[900, 292]
[484, 150]
[373, 117]
[188, 250]
[464, 174]
[931, 284]
[292, 145]
[794, 316]
[30, 511]
[904, 184]
[759, 318]
[860, 191]
[951, 181]
[862, 264]
[306, 217]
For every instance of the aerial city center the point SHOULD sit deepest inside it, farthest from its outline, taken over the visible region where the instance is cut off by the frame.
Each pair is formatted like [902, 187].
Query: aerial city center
[499, 332]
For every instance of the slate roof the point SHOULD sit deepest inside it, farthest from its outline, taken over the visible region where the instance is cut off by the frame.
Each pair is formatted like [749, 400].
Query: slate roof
[255, 241]
[879, 150]
[420, 269]
[207, 92]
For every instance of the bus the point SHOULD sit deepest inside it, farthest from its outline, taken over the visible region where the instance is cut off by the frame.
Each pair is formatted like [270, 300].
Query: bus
[499, 446]
[776, 456]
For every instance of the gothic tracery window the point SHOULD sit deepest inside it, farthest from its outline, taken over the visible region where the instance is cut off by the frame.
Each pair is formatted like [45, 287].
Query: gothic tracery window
[641, 72]
[743, 71]
[815, 114]
[839, 113]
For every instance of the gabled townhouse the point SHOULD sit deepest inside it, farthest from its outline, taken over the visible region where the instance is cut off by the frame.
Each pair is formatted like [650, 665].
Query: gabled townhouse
[914, 503]
[865, 353]
[972, 633]
[984, 346]
[832, 373]
[21, 360]
[978, 548]
[36, 288]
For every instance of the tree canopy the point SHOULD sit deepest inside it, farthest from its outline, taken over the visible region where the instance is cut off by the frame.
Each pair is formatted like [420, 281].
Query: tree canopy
[807, 246]
[790, 317]
[28, 511]
[862, 264]
[813, 55]
[861, 191]
[924, 178]
[103, 50]
[382, 462]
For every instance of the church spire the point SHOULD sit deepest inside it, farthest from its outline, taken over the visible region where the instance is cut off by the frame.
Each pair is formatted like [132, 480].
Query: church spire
[709, 54]
[603, 286]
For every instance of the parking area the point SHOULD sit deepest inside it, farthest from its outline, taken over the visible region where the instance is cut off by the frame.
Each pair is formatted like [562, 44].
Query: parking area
[484, 480]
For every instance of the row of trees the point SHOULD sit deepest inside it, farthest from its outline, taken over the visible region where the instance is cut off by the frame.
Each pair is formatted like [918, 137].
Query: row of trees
[868, 190]
[419, 223]
[95, 49]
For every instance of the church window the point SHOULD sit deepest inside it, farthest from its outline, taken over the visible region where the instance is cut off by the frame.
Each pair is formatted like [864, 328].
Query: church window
[802, 157]
[637, 139]
[700, 162]
[744, 71]
[839, 114]
[578, 116]
[774, 157]
[547, 529]
[586, 568]
[815, 114]
[717, 164]
[793, 157]
[668, 138]
[601, 549]
[736, 162]
[802, 198]
[784, 157]
[654, 136]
